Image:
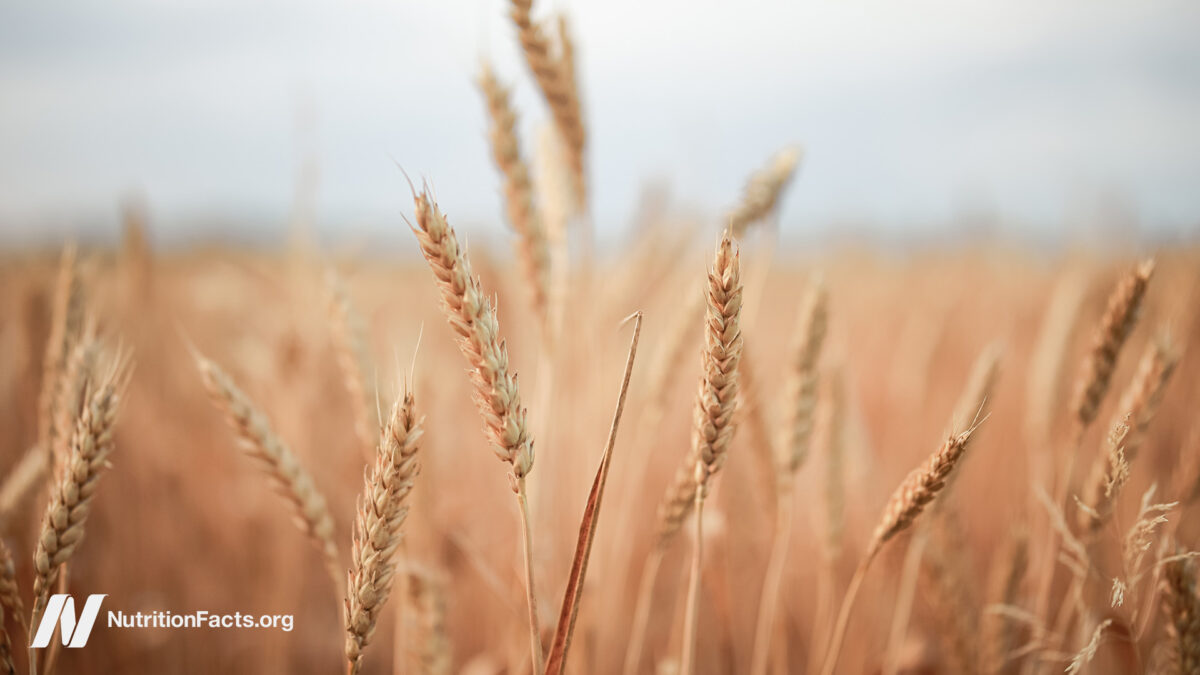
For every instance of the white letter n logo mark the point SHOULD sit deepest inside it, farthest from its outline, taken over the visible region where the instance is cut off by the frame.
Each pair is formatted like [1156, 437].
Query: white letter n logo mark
[61, 610]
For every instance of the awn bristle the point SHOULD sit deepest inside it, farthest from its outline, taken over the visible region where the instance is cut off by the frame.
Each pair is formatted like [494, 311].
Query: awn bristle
[920, 488]
[471, 316]
[353, 356]
[1114, 329]
[801, 388]
[278, 462]
[377, 528]
[763, 190]
[555, 79]
[1137, 408]
[532, 250]
[716, 402]
[1181, 607]
[66, 322]
[72, 492]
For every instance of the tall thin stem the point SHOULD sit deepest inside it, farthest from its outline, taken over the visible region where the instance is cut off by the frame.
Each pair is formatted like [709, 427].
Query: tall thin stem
[535, 632]
[772, 583]
[641, 615]
[693, 598]
[839, 630]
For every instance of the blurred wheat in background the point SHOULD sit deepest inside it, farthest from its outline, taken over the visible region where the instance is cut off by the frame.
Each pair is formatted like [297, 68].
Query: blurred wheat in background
[979, 459]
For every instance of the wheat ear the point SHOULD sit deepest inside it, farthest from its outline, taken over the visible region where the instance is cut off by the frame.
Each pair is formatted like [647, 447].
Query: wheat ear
[763, 190]
[10, 601]
[497, 395]
[1138, 405]
[382, 510]
[1181, 607]
[277, 461]
[427, 599]
[555, 78]
[908, 501]
[71, 493]
[1118, 322]
[66, 320]
[716, 405]
[523, 216]
[353, 357]
[800, 403]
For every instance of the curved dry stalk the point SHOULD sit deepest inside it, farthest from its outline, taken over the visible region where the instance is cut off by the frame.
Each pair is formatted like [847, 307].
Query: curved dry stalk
[497, 395]
[907, 503]
[277, 461]
[587, 528]
[382, 510]
[532, 249]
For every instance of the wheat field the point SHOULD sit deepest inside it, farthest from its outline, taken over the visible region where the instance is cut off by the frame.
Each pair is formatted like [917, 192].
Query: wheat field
[693, 451]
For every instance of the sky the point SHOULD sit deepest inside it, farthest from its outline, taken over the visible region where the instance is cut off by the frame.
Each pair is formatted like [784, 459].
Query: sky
[915, 117]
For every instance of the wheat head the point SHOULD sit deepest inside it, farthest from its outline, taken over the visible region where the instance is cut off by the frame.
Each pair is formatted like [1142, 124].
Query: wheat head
[382, 510]
[258, 440]
[716, 402]
[1119, 319]
[532, 250]
[471, 316]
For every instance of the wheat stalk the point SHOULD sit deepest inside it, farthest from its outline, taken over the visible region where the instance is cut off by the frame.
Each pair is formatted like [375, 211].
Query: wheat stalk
[281, 466]
[382, 510]
[523, 216]
[716, 403]
[497, 395]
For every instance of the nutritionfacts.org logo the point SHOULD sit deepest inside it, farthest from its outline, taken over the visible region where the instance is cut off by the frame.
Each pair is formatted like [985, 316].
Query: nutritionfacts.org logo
[60, 612]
